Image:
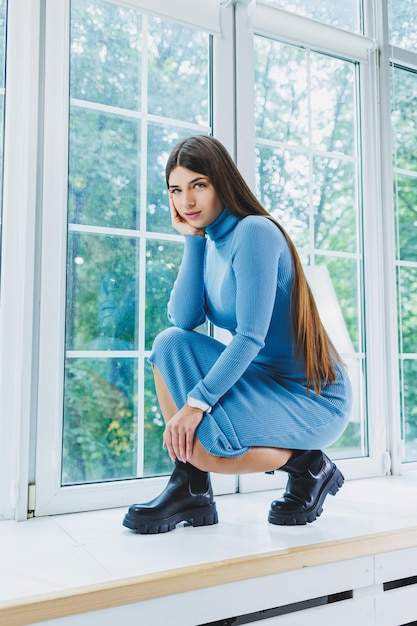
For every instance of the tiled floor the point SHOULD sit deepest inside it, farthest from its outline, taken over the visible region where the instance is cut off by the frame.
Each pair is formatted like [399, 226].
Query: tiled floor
[53, 553]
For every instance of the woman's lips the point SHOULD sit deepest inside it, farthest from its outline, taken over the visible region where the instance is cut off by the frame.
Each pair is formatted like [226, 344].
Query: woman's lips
[192, 215]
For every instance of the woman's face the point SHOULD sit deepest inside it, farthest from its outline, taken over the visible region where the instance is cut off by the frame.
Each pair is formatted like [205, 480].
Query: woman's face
[194, 197]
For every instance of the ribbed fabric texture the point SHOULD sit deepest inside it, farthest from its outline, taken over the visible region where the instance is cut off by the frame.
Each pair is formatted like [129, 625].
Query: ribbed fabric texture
[240, 278]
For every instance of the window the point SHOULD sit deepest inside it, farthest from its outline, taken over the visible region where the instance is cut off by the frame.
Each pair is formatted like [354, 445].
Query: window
[404, 139]
[308, 177]
[97, 94]
[127, 86]
[128, 76]
[402, 24]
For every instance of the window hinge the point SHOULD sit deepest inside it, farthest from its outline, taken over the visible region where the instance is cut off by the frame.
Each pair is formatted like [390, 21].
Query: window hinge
[387, 462]
[251, 4]
[31, 500]
[378, 57]
[402, 449]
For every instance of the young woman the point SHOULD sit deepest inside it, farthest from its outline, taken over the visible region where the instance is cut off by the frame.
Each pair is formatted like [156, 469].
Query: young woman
[278, 392]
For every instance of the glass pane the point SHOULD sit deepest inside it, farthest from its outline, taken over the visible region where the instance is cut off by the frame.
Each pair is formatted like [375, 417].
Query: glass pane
[103, 185]
[178, 72]
[354, 440]
[336, 291]
[100, 420]
[281, 96]
[409, 403]
[404, 138]
[283, 189]
[163, 259]
[402, 23]
[161, 140]
[334, 205]
[102, 292]
[307, 99]
[332, 104]
[106, 46]
[156, 459]
[129, 73]
[404, 118]
[405, 200]
[407, 280]
[346, 14]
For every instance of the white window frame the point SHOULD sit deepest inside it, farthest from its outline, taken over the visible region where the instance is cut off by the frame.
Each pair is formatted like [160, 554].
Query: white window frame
[51, 497]
[283, 26]
[390, 56]
[20, 235]
[26, 179]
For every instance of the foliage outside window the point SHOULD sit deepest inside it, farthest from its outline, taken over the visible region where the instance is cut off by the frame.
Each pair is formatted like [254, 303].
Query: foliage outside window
[402, 24]
[128, 76]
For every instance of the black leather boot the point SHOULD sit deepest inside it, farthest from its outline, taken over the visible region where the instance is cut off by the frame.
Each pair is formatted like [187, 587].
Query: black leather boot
[312, 475]
[187, 497]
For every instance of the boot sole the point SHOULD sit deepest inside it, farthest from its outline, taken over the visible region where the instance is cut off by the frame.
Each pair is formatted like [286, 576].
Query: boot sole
[332, 486]
[203, 516]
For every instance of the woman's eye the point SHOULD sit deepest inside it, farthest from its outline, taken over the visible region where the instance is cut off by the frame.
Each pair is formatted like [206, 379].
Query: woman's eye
[200, 185]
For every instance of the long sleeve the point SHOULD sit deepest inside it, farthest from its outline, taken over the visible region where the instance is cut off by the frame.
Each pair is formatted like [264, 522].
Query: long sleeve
[186, 303]
[255, 252]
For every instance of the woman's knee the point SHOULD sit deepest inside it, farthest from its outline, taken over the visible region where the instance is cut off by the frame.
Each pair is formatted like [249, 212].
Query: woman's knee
[168, 340]
[172, 333]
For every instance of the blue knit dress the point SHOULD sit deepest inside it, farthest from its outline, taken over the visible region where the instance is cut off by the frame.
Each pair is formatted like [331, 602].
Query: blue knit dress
[239, 277]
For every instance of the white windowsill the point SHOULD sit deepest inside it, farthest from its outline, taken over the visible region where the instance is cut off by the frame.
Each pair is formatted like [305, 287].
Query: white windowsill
[53, 554]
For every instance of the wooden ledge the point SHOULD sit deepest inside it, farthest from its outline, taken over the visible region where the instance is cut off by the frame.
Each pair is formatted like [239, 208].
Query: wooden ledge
[34, 609]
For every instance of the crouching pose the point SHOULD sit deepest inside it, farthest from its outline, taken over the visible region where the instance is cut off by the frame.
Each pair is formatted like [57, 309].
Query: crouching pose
[278, 392]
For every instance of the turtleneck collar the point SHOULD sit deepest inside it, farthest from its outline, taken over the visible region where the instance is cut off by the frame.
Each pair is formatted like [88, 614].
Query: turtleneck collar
[222, 225]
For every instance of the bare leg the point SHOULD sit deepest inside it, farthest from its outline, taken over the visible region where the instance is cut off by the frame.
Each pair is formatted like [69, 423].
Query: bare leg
[257, 459]
[165, 400]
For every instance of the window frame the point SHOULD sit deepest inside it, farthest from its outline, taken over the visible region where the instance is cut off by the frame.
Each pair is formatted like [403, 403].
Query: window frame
[25, 332]
[378, 461]
[20, 236]
[393, 57]
[51, 497]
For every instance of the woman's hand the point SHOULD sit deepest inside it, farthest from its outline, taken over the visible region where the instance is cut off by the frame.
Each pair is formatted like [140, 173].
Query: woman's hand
[180, 224]
[179, 433]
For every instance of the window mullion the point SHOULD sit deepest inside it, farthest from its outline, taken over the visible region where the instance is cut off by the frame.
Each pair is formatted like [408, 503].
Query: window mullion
[224, 122]
[384, 133]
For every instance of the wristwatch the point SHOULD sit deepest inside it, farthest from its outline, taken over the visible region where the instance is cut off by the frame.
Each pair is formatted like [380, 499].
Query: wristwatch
[199, 404]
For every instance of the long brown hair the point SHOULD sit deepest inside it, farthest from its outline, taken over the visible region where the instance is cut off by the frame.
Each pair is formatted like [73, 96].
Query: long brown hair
[206, 155]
